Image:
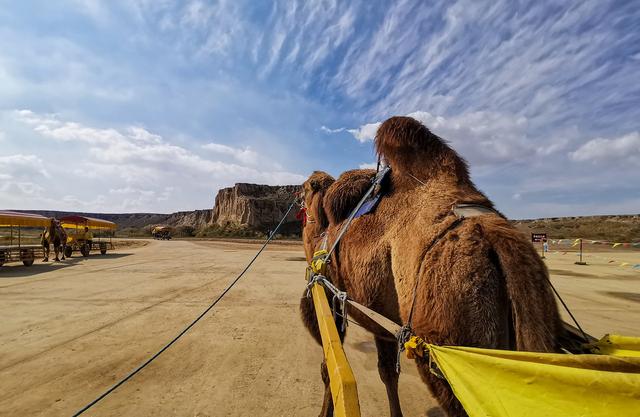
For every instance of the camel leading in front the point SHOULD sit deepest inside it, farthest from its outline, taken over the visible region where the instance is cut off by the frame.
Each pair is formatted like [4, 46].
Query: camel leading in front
[479, 281]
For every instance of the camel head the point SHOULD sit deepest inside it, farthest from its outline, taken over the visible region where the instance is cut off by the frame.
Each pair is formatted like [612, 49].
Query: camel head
[313, 190]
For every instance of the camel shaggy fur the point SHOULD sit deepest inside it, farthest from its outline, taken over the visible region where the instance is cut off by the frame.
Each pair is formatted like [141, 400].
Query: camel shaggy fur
[481, 284]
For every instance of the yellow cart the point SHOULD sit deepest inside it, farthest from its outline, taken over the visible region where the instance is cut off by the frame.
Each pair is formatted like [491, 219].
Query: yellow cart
[77, 239]
[20, 237]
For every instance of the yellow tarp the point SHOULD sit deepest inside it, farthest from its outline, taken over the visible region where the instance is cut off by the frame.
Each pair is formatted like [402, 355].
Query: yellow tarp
[502, 383]
[613, 344]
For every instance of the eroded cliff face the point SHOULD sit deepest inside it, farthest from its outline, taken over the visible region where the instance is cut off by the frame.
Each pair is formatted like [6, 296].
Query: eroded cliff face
[198, 219]
[257, 207]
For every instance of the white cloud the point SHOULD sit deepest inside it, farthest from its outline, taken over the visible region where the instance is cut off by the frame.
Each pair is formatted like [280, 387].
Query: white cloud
[305, 34]
[552, 65]
[212, 28]
[244, 155]
[482, 137]
[139, 168]
[84, 204]
[22, 167]
[625, 148]
[367, 165]
[329, 130]
[21, 188]
[131, 198]
[366, 132]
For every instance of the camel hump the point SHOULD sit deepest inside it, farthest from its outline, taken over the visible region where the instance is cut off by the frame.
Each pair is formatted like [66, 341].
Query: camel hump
[409, 146]
[343, 195]
[535, 314]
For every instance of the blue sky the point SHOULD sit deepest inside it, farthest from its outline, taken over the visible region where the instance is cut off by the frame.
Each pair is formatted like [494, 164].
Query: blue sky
[154, 105]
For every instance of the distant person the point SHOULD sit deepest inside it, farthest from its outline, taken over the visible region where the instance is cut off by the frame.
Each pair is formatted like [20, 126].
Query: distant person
[545, 246]
[45, 240]
[59, 238]
[87, 236]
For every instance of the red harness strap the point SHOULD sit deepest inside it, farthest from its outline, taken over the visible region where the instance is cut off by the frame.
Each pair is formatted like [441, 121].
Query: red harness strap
[302, 215]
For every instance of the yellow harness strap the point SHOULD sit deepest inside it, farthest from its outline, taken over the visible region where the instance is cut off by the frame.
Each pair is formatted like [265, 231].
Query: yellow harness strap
[318, 264]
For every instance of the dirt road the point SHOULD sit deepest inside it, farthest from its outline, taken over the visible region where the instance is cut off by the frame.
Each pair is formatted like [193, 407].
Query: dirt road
[70, 330]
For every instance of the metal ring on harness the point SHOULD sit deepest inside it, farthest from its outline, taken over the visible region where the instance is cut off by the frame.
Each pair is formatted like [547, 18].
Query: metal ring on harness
[339, 300]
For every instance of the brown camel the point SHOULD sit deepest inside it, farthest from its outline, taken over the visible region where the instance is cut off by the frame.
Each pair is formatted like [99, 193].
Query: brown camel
[56, 235]
[480, 284]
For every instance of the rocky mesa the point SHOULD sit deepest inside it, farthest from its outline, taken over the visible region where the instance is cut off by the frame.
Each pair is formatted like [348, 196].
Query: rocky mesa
[256, 207]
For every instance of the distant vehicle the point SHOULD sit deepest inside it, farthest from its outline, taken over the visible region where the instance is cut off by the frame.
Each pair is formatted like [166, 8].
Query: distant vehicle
[162, 232]
[21, 242]
[81, 234]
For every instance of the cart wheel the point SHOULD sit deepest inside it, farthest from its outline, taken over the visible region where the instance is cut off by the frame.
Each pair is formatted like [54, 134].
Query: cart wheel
[68, 250]
[84, 250]
[103, 248]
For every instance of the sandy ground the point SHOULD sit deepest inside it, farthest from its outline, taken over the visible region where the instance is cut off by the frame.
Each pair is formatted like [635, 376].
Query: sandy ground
[70, 330]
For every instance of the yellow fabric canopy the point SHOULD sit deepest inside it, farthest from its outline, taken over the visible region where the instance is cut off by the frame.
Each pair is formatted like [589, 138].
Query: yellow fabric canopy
[502, 383]
[613, 344]
[14, 218]
[70, 222]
